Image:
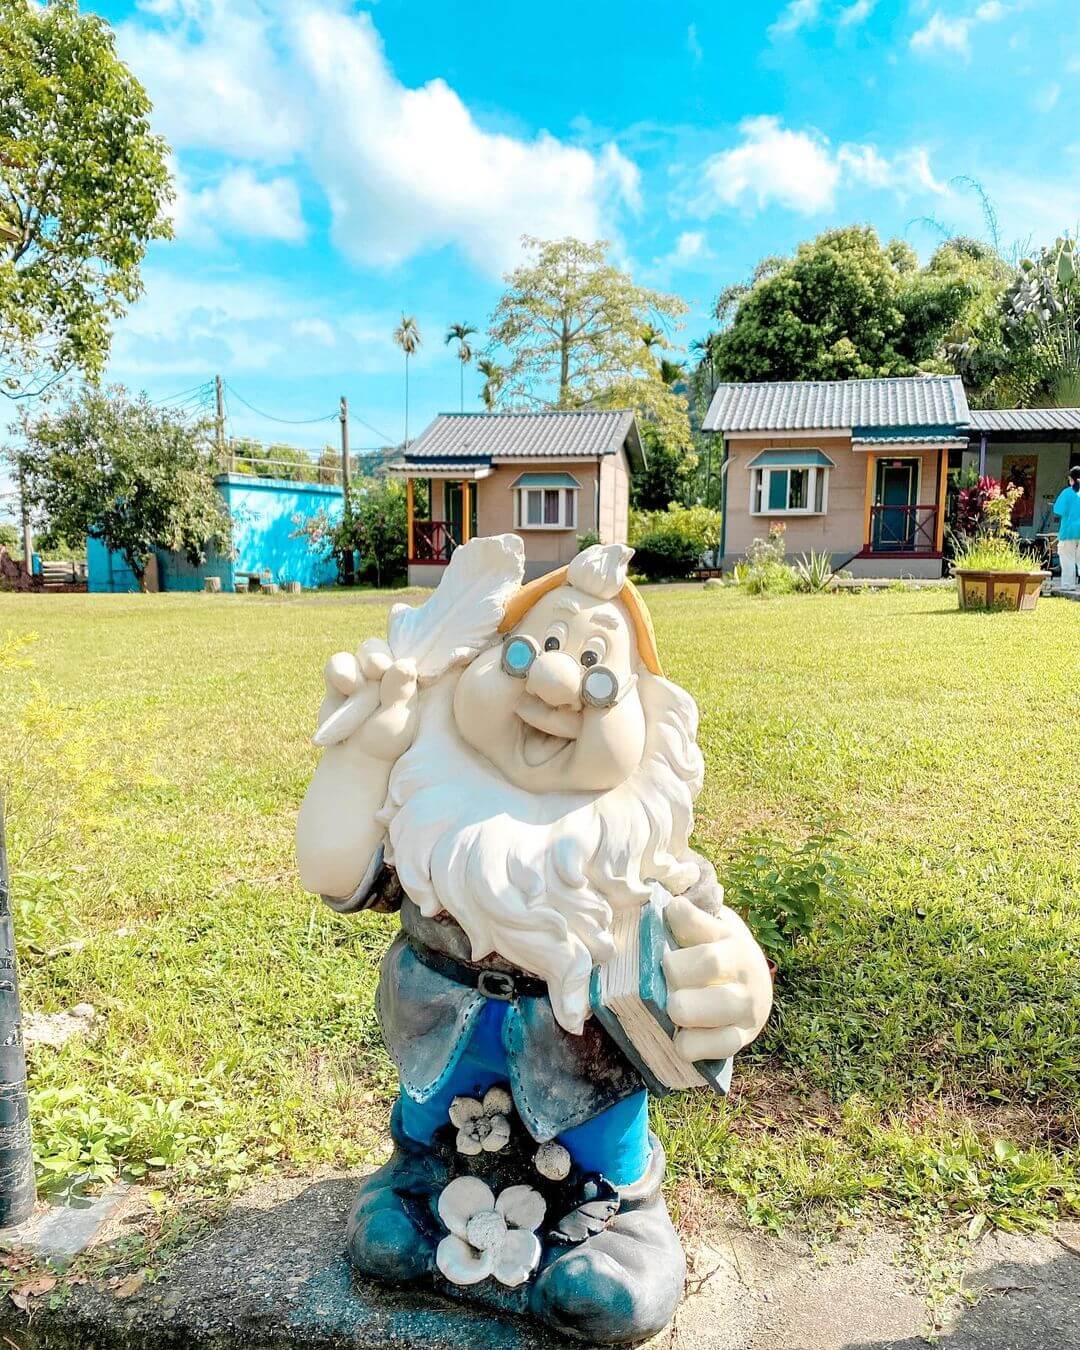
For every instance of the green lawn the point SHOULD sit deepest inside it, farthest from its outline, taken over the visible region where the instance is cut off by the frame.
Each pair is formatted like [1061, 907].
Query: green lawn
[925, 1051]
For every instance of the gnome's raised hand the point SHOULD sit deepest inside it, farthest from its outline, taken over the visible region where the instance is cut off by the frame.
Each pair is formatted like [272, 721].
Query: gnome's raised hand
[719, 988]
[387, 716]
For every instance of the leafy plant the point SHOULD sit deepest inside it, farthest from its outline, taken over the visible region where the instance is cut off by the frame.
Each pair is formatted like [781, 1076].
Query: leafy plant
[672, 543]
[764, 571]
[780, 888]
[992, 553]
[587, 540]
[374, 524]
[814, 571]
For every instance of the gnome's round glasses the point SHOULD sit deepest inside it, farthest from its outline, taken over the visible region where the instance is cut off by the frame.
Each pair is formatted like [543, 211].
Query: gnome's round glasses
[599, 685]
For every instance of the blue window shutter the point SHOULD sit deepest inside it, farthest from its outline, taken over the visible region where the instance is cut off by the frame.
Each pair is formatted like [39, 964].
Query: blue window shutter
[778, 490]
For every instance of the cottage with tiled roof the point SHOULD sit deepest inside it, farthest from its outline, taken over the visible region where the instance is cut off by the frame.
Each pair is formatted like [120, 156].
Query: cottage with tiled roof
[860, 469]
[547, 476]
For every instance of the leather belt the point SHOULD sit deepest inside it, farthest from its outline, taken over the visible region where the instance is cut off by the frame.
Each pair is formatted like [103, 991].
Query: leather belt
[498, 984]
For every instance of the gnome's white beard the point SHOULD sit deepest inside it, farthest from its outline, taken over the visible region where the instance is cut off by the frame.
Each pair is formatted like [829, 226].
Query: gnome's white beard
[535, 878]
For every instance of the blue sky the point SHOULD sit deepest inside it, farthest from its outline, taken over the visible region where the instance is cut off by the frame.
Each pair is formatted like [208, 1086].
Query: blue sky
[339, 163]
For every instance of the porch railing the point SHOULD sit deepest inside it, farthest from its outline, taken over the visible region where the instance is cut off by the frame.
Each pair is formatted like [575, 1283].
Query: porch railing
[903, 529]
[433, 541]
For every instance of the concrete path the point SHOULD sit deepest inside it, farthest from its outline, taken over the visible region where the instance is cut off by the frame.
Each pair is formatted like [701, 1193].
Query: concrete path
[272, 1275]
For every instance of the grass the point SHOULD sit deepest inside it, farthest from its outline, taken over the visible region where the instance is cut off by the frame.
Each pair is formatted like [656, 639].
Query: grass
[993, 554]
[924, 1057]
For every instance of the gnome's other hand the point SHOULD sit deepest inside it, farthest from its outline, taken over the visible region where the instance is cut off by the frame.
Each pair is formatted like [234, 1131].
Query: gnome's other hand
[719, 988]
[389, 726]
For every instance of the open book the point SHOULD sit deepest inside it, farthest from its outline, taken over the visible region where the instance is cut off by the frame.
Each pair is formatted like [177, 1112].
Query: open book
[629, 997]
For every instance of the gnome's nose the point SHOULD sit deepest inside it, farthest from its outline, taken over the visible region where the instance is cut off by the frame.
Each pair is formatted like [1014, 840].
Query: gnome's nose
[556, 678]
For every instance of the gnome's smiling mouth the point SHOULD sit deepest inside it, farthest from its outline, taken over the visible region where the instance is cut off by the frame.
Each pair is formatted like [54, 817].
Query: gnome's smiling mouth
[545, 731]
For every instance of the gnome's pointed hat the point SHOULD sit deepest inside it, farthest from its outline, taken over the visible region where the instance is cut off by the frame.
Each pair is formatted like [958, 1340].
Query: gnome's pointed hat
[599, 571]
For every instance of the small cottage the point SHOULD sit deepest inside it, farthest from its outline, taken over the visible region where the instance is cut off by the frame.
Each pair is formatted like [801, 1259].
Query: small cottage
[859, 469]
[546, 476]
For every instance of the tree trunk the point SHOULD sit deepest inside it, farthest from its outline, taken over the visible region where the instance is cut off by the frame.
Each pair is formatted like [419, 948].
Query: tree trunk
[564, 362]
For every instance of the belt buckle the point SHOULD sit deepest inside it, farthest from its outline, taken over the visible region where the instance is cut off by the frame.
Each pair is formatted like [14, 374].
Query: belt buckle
[496, 984]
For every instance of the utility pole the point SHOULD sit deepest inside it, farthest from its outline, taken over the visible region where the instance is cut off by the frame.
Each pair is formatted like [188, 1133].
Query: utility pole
[16, 1165]
[27, 532]
[348, 569]
[219, 419]
[346, 467]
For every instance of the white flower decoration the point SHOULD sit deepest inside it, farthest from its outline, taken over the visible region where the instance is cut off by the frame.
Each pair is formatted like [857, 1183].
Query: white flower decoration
[482, 1127]
[489, 1236]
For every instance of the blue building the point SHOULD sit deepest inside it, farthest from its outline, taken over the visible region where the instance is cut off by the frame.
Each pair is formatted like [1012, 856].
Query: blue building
[264, 513]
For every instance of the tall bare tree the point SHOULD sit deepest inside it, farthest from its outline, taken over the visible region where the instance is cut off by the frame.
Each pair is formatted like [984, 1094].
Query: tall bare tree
[460, 333]
[407, 336]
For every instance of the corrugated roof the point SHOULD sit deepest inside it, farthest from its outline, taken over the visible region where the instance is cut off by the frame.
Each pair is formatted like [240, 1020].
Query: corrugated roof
[946, 435]
[819, 405]
[1025, 419]
[543, 435]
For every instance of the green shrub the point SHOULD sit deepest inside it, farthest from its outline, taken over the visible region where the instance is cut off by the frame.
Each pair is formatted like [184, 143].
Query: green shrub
[780, 888]
[993, 553]
[814, 571]
[587, 540]
[672, 543]
[764, 571]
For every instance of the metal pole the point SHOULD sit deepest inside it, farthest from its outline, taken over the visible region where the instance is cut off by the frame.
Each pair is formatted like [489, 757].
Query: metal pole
[219, 418]
[346, 467]
[16, 1161]
[27, 532]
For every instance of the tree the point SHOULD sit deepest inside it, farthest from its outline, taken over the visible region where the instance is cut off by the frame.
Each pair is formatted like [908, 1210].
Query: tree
[1039, 364]
[572, 326]
[120, 470]
[846, 307]
[460, 333]
[407, 336]
[374, 525]
[494, 376]
[84, 188]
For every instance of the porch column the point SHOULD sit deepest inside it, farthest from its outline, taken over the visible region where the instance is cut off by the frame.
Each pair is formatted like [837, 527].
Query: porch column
[409, 515]
[871, 461]
[942, 489]
[466, 510]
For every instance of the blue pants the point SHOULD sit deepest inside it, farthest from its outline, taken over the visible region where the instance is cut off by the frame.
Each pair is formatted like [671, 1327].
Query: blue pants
[615, 1142]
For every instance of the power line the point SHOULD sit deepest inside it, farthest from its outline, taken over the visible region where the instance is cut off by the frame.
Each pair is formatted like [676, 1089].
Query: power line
[285, 421]
[184, 395]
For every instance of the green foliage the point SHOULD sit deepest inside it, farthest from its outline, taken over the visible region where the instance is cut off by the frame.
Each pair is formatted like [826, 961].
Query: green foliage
[1041, 314]
[10, 537]
[672, 543]
[571, 326]
[764, 570]
[587, 540]
[282, 461]
[374, 525]
[84, 188]
[814, 571]
[781, 889]
[846, 307]
[992, 553]
[135, 476]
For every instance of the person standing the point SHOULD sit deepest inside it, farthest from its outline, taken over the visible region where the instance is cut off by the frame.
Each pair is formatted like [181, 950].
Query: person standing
[1067, 507]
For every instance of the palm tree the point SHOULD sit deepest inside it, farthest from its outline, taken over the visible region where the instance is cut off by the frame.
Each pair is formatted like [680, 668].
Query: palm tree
[460, 333]
[493, 377]
[407, 337]
[671, 372]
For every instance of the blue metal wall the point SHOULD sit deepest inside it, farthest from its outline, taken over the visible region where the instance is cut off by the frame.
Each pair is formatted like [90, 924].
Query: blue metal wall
[263, 512]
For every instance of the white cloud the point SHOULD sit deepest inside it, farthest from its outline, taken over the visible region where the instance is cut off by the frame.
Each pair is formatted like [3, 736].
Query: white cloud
[797, 14]
[693, 45]
[316, 329]
[791, 168]
[939, 31]
[857, 13]
[954, 34]
[239, 204]
[403, 169]
[800, 171]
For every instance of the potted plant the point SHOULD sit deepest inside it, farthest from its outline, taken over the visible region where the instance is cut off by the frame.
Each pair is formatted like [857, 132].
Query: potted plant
[990, 566]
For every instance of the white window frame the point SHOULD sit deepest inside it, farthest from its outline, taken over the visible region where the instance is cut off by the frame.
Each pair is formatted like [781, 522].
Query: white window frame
[568, 508]
[760, 485]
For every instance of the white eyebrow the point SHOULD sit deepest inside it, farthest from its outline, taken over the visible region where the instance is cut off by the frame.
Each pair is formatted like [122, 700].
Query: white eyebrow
[603, 620]
[568, 605]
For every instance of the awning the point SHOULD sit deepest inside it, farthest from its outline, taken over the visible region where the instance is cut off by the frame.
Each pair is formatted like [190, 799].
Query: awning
[792, 459]
[455, 470]
[545, 480]
[945, 436]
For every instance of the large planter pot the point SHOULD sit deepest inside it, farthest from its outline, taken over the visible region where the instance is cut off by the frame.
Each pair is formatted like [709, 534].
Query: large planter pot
[999, 590]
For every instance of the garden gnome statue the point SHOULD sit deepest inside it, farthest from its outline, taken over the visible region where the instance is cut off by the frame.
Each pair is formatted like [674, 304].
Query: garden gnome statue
[513, 773]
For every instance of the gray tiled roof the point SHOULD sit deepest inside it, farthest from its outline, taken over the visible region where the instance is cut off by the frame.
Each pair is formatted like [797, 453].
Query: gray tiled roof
[805, 405]
[1025, 419]
[543, 435]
